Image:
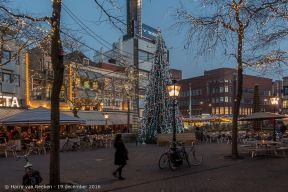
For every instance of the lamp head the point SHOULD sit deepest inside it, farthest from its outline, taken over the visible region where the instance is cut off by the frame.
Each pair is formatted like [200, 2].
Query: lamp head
[174, 89]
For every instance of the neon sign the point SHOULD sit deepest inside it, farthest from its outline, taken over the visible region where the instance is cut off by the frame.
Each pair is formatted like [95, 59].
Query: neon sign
[8, 101]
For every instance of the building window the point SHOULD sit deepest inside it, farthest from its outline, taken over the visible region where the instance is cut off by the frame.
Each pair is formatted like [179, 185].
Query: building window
[221, 100]
[226, 89]
[213, 100]
[221, 89]
[6, 55]
[230, 89]
[85, 61]
[217, 100]
[230, 99]
[86, 85]
[15, 79]
[222, 110]
[6, 78]
[213, 90]
[226, 99]
[48, 91]
[226, 110]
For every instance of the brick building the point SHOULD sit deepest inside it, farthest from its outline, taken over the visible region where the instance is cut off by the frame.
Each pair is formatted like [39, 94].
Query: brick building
[215, 91]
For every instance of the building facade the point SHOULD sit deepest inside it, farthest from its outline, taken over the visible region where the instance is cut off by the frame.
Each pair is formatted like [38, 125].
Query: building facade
[215, 91]
[12, 72]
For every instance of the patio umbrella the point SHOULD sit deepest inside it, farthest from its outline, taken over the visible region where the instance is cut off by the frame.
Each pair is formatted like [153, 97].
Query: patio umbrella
[262, 116]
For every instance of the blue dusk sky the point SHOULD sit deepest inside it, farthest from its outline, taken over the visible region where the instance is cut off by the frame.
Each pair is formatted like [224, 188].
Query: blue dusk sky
[154, 14]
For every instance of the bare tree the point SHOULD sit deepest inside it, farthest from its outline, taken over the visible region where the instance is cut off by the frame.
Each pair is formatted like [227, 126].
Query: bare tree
[229, 27]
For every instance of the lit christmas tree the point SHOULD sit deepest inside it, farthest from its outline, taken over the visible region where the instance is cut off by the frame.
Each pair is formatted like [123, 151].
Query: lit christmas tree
[158, 110]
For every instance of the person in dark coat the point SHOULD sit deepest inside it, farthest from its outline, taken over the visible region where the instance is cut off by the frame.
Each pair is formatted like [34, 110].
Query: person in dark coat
[120, 156]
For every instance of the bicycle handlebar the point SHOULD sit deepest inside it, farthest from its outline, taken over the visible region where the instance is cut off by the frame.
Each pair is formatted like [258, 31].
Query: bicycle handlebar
[25, 156]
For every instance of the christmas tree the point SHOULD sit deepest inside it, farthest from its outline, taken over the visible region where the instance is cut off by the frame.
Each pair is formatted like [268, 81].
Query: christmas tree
[158, 110]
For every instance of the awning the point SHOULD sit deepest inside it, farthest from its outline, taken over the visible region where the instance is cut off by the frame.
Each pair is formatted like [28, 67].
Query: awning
[87, 94]
[39, 115]
[119, 118]
[7, 112]
[94, 117]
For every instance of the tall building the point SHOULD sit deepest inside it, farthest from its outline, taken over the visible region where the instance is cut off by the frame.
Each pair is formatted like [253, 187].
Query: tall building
[215, 91]
[12, 70]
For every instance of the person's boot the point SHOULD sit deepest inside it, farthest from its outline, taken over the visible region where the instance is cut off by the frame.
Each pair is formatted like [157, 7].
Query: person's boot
[120, 177]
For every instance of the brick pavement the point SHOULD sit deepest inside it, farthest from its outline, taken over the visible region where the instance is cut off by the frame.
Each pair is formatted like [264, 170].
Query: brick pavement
[94, 168]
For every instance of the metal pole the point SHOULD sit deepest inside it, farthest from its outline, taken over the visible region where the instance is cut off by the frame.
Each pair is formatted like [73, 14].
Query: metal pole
[274, 137]
[174, 125]
[190, 103]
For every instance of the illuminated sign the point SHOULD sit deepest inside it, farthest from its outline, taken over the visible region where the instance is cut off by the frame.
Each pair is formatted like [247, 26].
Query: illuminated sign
[9, 101]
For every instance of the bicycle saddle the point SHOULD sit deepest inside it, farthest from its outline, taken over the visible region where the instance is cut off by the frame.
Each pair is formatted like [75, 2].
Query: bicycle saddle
[28, 165]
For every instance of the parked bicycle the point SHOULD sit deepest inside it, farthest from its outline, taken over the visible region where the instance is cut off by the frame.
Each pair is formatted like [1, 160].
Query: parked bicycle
[86, 142]
[32, 177]
[175, 157]
[74, 144]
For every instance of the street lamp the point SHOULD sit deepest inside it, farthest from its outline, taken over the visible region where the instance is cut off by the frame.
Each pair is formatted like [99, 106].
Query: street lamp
[106, 116]
[274, 102]
[174, 90]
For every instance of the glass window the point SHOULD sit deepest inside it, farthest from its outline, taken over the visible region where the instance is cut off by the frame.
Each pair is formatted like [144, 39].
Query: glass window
[48, 91]
[226, 110]
[86, 61]
[221, 110]
[86, 84]
[6, 78]
[15, 79]
[226, 89]
[221, 89]
[143, 56]
[226, 99]
[6, 55]
[221, 99]
[217, 100]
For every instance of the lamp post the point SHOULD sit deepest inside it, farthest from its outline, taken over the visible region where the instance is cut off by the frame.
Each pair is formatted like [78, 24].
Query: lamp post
[190, 101]
[106, 116]
[174, 90]
[274, 102]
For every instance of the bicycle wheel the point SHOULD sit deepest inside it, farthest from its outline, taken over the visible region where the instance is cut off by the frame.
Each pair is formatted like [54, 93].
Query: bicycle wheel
[65, 147]
[82, 145]
[163, 161]
[195, 157]
[93, 145]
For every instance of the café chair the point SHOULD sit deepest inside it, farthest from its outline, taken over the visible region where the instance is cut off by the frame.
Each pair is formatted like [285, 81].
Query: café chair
[3, 150]
[12, 149]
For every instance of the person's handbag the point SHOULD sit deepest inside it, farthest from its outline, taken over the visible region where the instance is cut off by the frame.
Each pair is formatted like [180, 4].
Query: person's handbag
[127, 158]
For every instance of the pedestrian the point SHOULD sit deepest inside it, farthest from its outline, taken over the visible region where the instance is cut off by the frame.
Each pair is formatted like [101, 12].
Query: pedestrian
[121, 155]
[10, 134]
[283, 129]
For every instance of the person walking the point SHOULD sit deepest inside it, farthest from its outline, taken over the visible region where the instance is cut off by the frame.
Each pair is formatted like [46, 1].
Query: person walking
[120, 156]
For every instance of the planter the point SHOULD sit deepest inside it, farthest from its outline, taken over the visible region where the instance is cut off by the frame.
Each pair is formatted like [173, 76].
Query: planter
[163, 139]
[63, 141]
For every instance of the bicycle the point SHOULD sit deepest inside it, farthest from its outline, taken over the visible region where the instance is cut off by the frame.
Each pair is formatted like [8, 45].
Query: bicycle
[175, 157]
[86, 142]
[73, 144]
[32, 177]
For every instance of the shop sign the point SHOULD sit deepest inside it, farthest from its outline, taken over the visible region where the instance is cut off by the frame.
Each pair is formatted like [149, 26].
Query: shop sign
[8, 101]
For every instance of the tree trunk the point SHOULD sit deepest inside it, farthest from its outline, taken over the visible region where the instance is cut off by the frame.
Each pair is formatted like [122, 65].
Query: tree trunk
[239, 96]
[58, 68]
